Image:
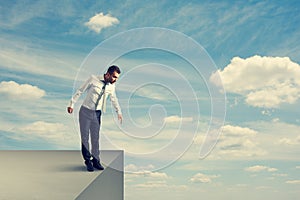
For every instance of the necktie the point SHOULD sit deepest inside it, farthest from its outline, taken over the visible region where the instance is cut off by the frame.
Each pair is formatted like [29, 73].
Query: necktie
[102, 93]
[103, 109]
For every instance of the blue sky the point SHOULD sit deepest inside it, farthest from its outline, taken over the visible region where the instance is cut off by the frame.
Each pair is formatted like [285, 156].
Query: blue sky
[49, 47]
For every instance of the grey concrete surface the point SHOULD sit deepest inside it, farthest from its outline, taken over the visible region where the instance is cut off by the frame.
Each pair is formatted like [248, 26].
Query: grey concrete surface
[43, 175]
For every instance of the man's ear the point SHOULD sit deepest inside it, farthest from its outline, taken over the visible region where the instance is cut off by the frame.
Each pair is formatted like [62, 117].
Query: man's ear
[106, 75]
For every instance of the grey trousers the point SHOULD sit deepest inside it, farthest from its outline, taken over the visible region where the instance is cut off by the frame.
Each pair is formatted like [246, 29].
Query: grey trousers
[89, 122]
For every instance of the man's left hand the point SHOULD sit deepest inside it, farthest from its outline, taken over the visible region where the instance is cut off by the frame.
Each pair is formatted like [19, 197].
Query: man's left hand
[120, 118]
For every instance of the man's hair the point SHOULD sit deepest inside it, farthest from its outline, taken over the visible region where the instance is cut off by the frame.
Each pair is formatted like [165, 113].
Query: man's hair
[113, 68]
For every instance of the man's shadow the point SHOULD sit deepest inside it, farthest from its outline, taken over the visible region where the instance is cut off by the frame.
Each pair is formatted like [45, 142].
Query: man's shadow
[69, 168]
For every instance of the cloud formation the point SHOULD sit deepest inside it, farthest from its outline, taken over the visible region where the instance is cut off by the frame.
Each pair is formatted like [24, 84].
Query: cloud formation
[203, 178]
[176, 118]
[259, 168]
[101, 21]
[45, 129]
[264, 81]
[236, 141]
[160, 185]
[134, 168]
[151, 180]
[21, 91]
[230, 130]
[293, 182]
[289, 141]
[49, 132]
[145, 171]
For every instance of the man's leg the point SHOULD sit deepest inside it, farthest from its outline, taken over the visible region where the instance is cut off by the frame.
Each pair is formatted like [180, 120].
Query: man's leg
[95, 135]
[85, 123]
[95, 128]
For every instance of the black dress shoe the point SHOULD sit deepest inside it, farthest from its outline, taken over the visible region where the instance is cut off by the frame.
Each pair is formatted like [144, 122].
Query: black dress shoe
[89, 166]
[97, 165]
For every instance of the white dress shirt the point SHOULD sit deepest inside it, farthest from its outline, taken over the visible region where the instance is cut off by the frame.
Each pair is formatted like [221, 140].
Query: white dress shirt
[94, 86]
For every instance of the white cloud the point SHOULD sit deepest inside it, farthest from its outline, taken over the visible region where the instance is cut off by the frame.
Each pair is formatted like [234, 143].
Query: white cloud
[151, 180]
[259, 168]
[263, 187]
[276, 120]
[57, 134]
[153, 91]
[25, 56]
[278, 138]
[256, 139]
[101, 21]
[230, 130]
[21, 91]
[235, 142]
[176, 118]
[151, 185]
[266, 112]
[145, 171]
[288, 141]
[134, 168]
[54, 133]
[238, 141]
[293, 182]
[264, 81]
[203, 178]
[45, 129]
[158, 175]
[160, 185]
[280, 175]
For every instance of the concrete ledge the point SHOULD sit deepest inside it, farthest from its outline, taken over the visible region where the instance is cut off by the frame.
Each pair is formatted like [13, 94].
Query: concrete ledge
[59, 175]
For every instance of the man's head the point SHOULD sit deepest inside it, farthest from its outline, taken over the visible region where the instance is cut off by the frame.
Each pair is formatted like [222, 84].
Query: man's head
[112, 74]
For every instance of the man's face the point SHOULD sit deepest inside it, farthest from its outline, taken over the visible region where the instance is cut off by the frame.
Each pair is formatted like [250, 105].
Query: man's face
[112, 78]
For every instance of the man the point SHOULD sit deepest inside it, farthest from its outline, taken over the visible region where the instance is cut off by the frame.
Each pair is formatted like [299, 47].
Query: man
[93, 106]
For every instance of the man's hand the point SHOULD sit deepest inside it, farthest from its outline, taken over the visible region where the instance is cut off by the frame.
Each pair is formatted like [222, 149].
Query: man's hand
[120, 118]
[70, 110]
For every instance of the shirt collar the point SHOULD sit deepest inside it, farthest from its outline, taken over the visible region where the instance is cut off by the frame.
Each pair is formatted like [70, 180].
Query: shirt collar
[103, 80]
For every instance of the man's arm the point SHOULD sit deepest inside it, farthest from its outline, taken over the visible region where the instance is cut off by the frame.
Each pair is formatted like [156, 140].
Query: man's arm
[77, 94]
[115, 103]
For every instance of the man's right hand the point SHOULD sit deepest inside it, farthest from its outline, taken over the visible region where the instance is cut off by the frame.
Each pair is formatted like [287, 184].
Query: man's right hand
[70, 110]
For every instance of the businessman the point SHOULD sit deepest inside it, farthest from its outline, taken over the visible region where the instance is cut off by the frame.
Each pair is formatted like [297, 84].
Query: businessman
[97, 89]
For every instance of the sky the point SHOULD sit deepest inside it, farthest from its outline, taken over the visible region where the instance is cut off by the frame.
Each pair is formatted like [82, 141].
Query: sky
[209, 90]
